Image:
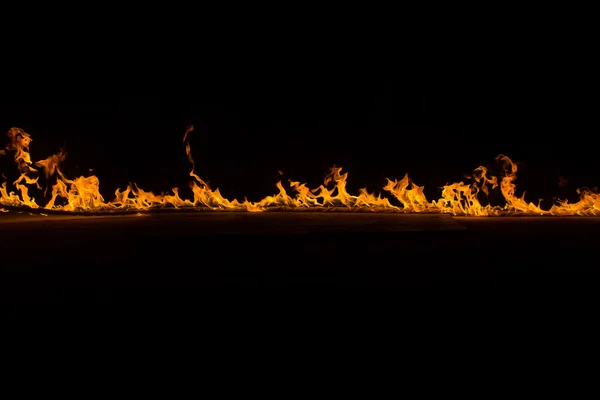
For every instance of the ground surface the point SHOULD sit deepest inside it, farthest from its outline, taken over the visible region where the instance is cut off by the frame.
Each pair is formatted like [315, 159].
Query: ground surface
[61, 258]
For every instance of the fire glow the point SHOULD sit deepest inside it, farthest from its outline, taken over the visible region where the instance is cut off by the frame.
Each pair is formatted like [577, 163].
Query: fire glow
[83, 194]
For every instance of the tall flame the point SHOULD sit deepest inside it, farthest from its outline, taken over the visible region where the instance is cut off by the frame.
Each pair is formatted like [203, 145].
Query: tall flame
[83, 194]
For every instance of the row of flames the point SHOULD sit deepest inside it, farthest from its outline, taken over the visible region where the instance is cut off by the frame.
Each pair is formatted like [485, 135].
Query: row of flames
[83, 194]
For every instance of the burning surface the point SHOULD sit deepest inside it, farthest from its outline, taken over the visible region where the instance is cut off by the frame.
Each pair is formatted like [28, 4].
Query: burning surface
[82, 194]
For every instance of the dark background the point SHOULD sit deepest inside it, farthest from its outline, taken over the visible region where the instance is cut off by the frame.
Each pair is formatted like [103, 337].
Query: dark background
[380, 93]
[299, 91]
[248, 128]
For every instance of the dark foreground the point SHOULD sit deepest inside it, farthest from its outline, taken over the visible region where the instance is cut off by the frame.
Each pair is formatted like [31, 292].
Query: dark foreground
[100, 259]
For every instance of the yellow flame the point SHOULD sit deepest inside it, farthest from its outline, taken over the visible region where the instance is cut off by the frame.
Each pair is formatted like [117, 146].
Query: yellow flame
[82, 194]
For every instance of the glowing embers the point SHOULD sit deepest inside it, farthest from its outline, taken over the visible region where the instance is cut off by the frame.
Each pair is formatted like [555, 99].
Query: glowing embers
[82, 194]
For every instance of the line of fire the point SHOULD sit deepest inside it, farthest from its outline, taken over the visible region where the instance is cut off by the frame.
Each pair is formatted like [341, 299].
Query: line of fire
[58, 193]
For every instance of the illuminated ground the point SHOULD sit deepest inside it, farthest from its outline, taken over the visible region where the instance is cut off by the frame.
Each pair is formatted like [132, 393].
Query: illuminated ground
[230, 223]
[93, 258]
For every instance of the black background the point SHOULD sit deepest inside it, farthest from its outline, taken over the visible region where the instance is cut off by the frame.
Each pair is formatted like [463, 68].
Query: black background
[246, 133]
[265, 99]
[300, 90]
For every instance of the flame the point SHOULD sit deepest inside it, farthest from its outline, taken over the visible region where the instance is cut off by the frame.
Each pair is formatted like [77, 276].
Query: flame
[82, 194]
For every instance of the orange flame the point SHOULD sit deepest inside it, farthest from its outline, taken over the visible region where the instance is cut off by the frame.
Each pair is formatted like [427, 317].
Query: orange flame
[83, 194]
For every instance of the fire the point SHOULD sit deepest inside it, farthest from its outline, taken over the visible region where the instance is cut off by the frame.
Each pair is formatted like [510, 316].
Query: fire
[82, 194]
